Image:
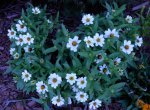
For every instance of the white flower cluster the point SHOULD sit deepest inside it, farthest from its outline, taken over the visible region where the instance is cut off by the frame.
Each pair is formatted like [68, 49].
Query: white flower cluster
[21, 37]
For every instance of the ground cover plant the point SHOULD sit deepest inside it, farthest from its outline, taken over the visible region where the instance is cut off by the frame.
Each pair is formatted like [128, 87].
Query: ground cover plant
[84, 66]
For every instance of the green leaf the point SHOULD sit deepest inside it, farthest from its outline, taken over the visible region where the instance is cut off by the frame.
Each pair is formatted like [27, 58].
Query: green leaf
[65, 31]
[49, 50]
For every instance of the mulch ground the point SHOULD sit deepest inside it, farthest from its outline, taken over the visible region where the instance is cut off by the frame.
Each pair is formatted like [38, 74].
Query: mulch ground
[10, 97]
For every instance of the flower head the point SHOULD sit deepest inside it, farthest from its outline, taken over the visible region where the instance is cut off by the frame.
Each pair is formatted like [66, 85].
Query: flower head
[11, 33]
[36, 10]
[21, 27]
[20, 40]
[87, 19]
[12, 50]
[16, 55]
[89, 41]
[41, 87]
[129, 19]
[81, 82]
[73, 43]
[81, 97]
[54, 80]
[75, 89]
[138, 41]
[71, 78]
[28, 49]
[117, 61]
[26, 76]
[58, 100]
[28, 39]
[95, 104]
[104, 69]
[111, 33]
[99, 40]
[127, 47]
[99, 58]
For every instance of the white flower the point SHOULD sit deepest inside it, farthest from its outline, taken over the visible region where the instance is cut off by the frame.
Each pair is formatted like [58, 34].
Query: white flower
[19, 40]
[99, 58]
[28, 39]
[87, 19]
[16, 55]
[129, 19]
[75, 89]
[36, 10]
[26, 76]
[21, 27]
[54, 80]
[49, 21]
[81, 97]
[12, 50]
[28, 49]
[41, 87]
[104, 69]
[81, 82]
[71, 78]
[117, 61]
[138, 41]
[11, 33]
[58, 100]
[95, 104]
[99, 40]
[127, 47]
[111, 33]
[73, 43]
[89, 41]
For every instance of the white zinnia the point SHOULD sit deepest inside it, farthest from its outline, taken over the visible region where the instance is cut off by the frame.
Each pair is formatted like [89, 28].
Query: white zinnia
[81, 97]
[36, 10]
[81, 82]
[111, 33]
[73, 43]
[75, 89]
[104, 69]
[16, 55]
[41, 87]
[28, 49]
[58, 100]
[99, 40]
[71, 78]
[99, 58]
[127, 47]
[54, 80]
[129, 19]
[89, 41]
[21, 27]
[28, 39]
[95, 104]
[87, 19]
[26, 76]
[20, 40]
[11, 33]
[12, 50]
[117, 61]
[138, 41]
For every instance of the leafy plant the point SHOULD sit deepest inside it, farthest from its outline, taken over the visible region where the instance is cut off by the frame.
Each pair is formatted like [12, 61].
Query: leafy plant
[81, 66]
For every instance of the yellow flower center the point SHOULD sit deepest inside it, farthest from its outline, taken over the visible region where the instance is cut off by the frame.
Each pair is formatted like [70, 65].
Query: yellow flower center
[71, 78]
[26, 75]
[87, 19]
[111, 35]
[126, 47]
[81, 96]
[105, 70]
[12, 33]
[74, 43]
[42, 87]
[54, 80]
[98, 39]
[82, 82]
